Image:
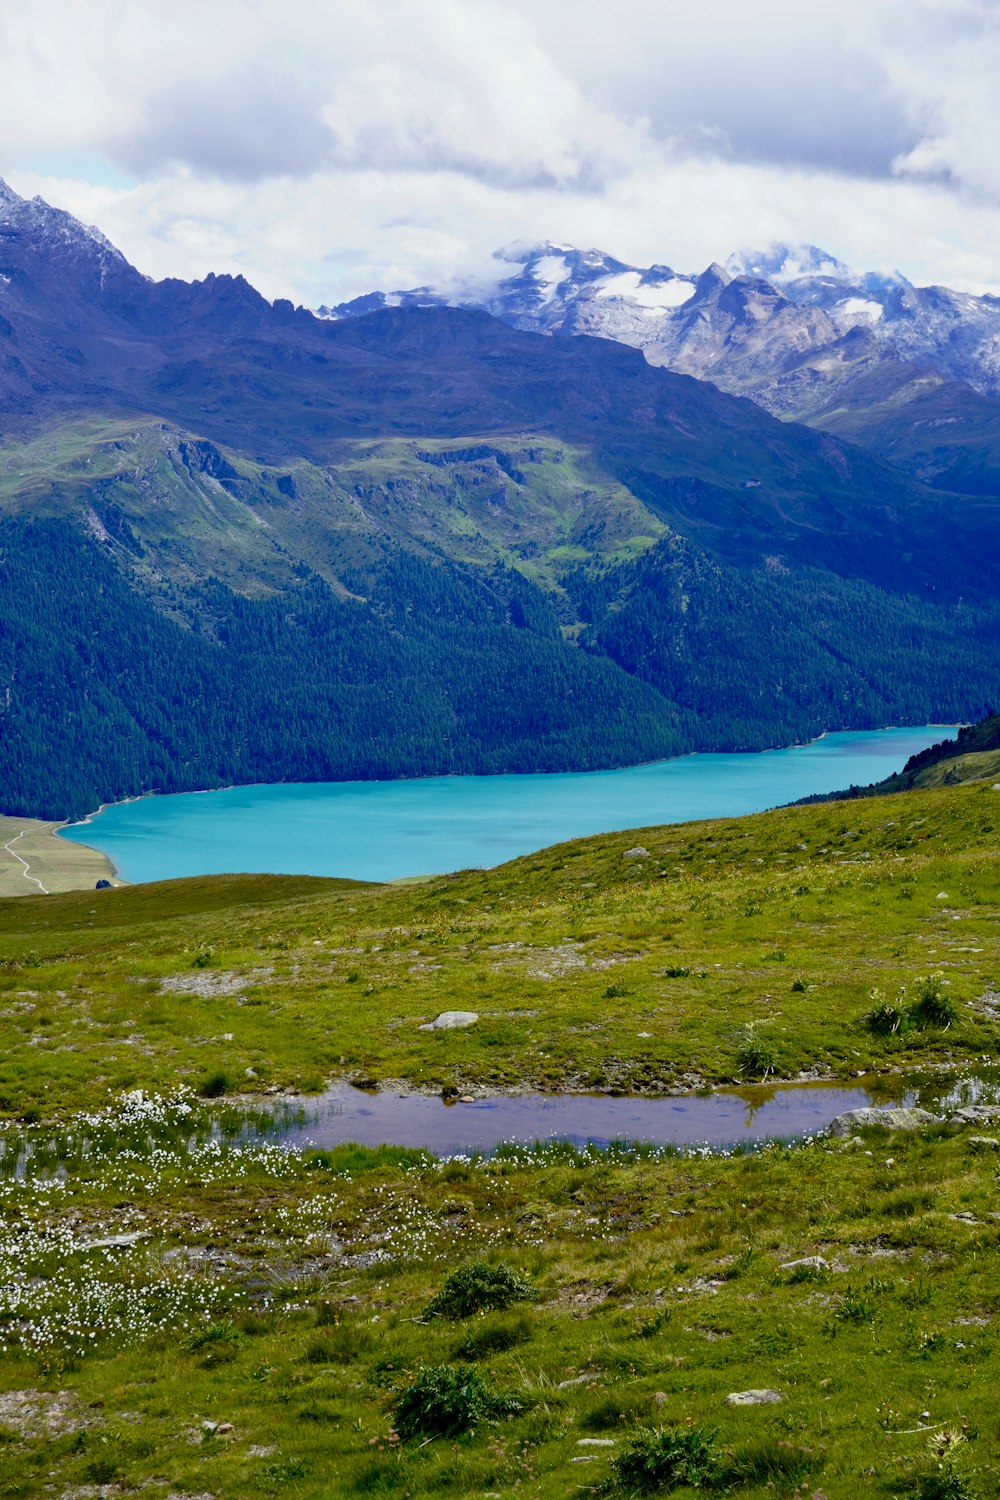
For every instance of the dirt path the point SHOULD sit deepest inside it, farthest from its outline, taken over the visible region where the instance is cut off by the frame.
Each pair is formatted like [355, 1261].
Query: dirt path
[9, 846]
[35, 861]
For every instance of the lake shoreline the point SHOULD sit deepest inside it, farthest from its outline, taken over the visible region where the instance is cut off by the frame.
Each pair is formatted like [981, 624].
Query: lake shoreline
[244, 786]
[389, 830]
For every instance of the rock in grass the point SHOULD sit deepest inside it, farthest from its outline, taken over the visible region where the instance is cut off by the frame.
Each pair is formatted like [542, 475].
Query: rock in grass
[983, 1143]
[117, 1241]
[890, 1119]
[450, 1020]
[637, 853]
[810, 1262]
[976, 1114]
[754, 1398]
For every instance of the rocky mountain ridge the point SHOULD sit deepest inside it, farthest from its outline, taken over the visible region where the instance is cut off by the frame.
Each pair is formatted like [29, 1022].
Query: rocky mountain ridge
[785, 326]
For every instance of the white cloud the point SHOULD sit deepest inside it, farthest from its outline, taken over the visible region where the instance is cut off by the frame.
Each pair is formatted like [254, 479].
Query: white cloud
[323, 149]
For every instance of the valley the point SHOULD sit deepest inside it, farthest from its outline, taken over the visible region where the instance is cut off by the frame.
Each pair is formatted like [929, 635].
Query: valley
[422, 543]
[241, 543]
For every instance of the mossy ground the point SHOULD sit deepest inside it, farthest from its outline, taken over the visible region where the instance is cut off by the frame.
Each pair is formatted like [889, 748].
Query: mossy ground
[285, 1295]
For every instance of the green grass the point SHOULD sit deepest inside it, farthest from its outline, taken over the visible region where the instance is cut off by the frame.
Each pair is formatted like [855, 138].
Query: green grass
[181, 1313]
[762, 936]
[300, 1290]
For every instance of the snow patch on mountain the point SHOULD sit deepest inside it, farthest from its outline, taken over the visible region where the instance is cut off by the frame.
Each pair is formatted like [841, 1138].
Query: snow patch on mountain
[858, 310]
[549, 272]
[654, 296]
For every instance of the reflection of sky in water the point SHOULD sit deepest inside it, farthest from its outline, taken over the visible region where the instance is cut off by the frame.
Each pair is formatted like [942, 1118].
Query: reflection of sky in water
[719, 1119]
[382, 830]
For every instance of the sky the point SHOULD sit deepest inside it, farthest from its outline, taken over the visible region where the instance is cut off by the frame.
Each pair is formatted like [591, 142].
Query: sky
[325, 148]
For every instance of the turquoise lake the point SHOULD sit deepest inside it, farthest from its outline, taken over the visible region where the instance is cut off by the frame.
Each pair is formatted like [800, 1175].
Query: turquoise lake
[380, 830]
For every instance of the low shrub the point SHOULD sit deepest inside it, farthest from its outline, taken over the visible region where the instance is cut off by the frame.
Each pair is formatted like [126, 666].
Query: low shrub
[445, 1402]
[884, 1018]
[214, 1085]
[933, 1006]
[754, 1056]
[479, 1287]
[664, 1458]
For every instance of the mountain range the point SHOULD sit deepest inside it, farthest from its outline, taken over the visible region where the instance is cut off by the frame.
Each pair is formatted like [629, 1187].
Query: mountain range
[897, 368]
[239, 542]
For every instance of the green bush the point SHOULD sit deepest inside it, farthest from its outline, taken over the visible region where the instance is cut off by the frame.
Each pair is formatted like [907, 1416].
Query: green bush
[664, 1458]
[479, 1287]
[215, 1085]
[933, 1006]
[944, 1483]
[444, 1402]
[884, 1018]
[754, 1056]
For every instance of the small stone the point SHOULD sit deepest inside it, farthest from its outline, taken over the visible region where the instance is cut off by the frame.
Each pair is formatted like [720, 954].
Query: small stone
[983, 1143]
[116, 1241]
[595, 1442]
[754, 1398]
[637, 853]
[813, 1262]
[224, 1428]
[451, 1020]
[209, 1428]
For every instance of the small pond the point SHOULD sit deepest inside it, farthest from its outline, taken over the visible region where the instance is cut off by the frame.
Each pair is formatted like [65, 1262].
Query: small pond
[151, 1130]
[722, 1118]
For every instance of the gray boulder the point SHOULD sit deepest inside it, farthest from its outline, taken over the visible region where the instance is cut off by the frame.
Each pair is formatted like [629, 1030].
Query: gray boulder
[450, 1020]
[754, 1398]
[890, 1119]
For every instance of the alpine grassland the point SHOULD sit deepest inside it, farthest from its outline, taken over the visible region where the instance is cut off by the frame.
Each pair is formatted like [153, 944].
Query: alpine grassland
[190, 1309]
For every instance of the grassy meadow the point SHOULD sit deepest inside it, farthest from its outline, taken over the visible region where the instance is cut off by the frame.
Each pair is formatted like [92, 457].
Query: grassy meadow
[185, 1314]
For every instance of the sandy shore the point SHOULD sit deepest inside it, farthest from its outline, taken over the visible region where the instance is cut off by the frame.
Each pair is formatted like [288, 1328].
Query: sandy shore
[35, 861]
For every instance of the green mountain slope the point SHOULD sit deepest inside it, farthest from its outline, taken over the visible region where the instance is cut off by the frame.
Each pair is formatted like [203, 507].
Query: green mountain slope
[179, 614]
[974, 755]
[782, 922]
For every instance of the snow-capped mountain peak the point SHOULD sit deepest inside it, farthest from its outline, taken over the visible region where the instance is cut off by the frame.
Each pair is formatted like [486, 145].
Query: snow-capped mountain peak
[782, 324]
[781, 263]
